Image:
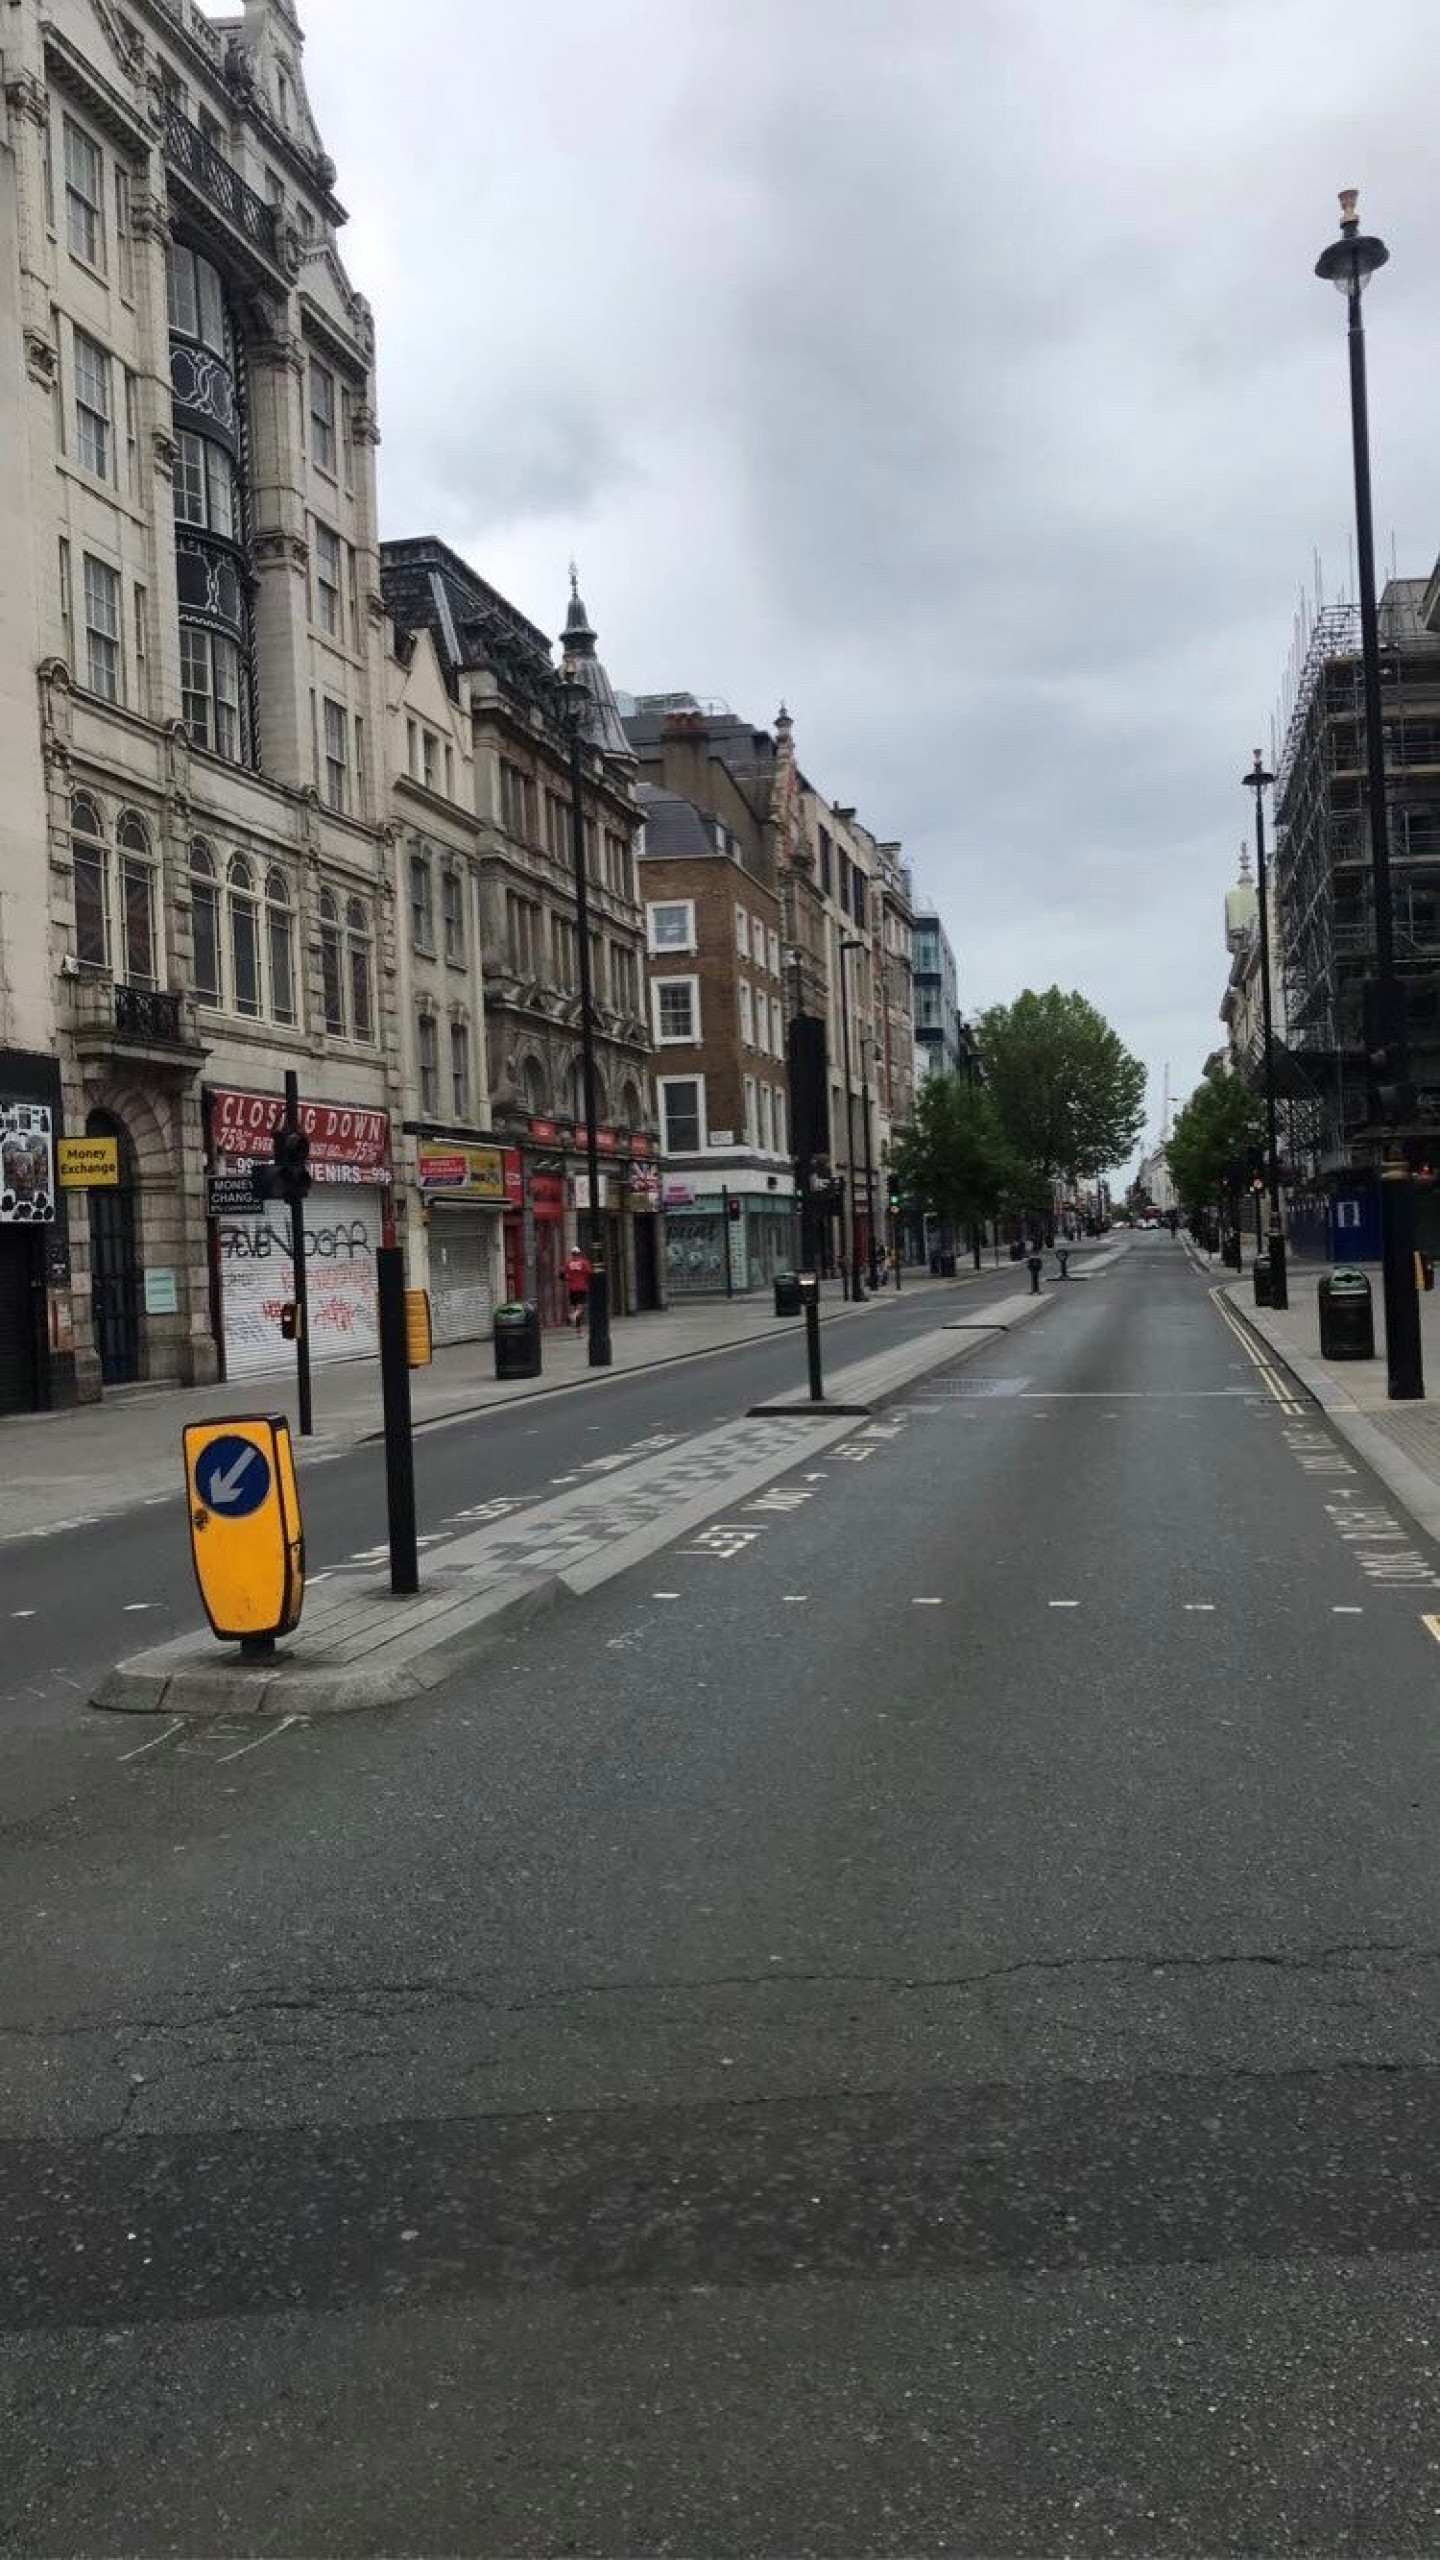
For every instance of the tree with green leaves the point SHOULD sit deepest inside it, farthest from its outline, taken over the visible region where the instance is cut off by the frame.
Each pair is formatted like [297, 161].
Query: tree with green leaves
[952, 1160]
[1219, 1129]
[1068, 1095]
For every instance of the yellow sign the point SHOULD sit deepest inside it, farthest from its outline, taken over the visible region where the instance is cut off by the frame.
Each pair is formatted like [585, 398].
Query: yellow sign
[88, 1164]
[418, 1340]
[246, 1538]
[468, 1173]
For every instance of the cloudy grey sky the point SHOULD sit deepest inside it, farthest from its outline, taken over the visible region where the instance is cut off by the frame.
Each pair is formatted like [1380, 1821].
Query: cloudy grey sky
[951, 368]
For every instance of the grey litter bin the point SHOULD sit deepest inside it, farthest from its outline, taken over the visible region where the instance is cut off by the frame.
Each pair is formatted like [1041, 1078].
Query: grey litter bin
[1260, 1274]
[947, 1266]
[517, 1339]
[787, 1293]
[1347, 1315]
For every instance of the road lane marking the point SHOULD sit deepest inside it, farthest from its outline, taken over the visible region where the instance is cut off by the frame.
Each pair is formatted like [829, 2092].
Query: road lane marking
[664, 1595]
[794, 1595]
[1433, 1623]
[1062, 1604]
[920, 1601]
[272, 1735]
[22, 1613]
[155, 1739]
[1204, 1608]
[1346, 1609]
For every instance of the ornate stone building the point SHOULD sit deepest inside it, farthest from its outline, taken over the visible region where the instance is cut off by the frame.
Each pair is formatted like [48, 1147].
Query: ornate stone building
[499, 673]
[194, 886]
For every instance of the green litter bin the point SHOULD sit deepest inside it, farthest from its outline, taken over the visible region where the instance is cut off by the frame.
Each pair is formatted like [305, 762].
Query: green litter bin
[517, 1339]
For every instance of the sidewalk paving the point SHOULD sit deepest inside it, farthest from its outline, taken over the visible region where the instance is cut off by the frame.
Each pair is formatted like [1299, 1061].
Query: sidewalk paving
[1400, 1441]
[67, 1468]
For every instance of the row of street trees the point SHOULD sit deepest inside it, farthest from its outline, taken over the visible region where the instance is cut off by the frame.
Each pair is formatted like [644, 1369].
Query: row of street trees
[1216, 1141]
[1062, 1100]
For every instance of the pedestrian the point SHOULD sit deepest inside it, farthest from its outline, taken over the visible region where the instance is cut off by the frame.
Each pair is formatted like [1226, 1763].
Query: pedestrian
[1035, 1265]
[577, 1283]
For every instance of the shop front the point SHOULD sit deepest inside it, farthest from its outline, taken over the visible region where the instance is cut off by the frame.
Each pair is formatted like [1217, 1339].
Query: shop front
[553, 1212]
[36, 1355]
[348, 1216]
[466, 1191]
[726, 1237]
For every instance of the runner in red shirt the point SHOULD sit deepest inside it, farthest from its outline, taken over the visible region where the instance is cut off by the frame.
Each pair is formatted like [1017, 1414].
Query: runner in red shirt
[577, 1282]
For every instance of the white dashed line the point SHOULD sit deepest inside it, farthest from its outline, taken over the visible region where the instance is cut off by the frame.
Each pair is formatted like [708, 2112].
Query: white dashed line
[275, 1731]
[1202, 1608]
[1346, 1609]
[919, 1602]
[664, 1595]
[22, 1613]
[794, 1595]
[1062, 1604]
[131, 1606]
[156, 1738]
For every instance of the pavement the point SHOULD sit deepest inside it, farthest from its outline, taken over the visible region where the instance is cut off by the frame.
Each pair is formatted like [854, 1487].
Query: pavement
[1401, 1442]
[903, 2021]
[64, 1469]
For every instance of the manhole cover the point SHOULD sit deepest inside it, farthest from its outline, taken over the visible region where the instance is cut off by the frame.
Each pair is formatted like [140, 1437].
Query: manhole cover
[974, 1386]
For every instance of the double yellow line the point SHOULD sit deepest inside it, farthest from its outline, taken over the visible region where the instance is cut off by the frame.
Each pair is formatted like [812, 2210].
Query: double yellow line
[1279, 1388]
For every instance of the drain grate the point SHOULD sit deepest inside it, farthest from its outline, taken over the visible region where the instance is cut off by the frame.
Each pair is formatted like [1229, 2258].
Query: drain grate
[972, 1387]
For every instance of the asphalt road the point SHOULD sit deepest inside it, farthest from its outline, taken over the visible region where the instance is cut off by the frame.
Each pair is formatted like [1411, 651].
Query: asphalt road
[78, 1600]
[906, 2023]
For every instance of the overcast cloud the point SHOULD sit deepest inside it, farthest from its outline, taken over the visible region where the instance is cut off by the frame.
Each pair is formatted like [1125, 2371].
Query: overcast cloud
[953, 369]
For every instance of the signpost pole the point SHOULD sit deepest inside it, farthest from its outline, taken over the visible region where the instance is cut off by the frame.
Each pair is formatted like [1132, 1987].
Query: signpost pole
[399, 1440]
[297, 1258]
[812, 1345]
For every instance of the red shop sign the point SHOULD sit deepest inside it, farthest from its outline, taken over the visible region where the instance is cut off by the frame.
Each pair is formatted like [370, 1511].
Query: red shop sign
[605, 1141]
[547, 1194]
[514, 1173]
[542, 1129]
[640, 1145]
[347, 1142]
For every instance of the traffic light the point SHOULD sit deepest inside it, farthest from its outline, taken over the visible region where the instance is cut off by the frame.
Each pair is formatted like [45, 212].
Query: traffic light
[1392, 1095]
[893, 1196]
[732, 1208]
[291, 1150]
[290, 1321]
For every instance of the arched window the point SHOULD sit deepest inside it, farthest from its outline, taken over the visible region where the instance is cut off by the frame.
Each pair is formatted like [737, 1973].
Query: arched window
[205, 923]
[244, 936]
[280, 946]
[536, 1098]
[92, 897]
[137, 901]
[332, 962]
[357, 937]
[629, 1107]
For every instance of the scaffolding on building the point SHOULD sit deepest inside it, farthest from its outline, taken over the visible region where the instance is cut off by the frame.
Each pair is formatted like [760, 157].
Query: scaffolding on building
[1322, 858]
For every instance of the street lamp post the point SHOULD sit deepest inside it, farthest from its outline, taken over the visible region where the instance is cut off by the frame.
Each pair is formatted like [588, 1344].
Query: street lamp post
[856, 1287]
[597, 1296]
[1349, 263]
[868, 1042]
[1259, 781]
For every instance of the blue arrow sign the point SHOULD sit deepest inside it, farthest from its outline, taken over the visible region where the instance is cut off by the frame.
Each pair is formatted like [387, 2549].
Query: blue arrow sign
[232, 1476]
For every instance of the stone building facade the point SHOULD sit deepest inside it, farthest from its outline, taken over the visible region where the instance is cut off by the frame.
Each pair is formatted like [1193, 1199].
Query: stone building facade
[499, 672]
[196, 887]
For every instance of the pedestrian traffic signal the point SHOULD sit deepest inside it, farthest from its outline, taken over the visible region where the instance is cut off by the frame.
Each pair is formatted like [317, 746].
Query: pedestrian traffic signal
[894, 1196]
[732, 1208]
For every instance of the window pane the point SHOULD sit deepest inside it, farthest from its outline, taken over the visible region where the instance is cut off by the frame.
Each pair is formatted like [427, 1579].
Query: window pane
[245, 952]
[681, 1105]
[676, 1010]
[212, 306]
[92, 405]
[139, 906]
[229, 727]
[84, 181]
[322, 415]
[195, 682]
[460, 1069]
[332, 976]
[189, 482]
[220, 486]
[102, 629]
[282, 959]
[92, 940]
[181, 306]
[361, 1020]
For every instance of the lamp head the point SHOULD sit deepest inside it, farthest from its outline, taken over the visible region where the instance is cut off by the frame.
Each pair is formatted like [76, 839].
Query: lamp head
[1349, 262]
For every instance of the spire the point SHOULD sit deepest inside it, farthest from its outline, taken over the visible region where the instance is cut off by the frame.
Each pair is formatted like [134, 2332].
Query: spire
[1245, 879]
[603, 725]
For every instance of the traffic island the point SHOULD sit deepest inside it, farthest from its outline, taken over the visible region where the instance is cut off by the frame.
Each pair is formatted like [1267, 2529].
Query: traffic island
[361, 1649]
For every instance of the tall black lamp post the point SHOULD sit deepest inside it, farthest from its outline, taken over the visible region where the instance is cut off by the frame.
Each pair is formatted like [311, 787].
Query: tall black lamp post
[1349, 263]
[856, 1287]
[1259, 781]
[597, 1299]
[868, 1042]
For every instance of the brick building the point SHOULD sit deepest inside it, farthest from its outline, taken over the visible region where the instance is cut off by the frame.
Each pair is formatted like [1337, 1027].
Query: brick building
[717, 1013]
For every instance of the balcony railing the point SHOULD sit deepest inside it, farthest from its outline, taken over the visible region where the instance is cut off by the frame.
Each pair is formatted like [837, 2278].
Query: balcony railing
[107, 1015]
[209, 172]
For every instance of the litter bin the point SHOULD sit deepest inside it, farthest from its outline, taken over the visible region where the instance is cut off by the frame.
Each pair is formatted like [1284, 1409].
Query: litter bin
[787, 1293]
[1347, 1315]
[517, 1339]
[1424, 1270]
[947, 1266]
[1260, 1274]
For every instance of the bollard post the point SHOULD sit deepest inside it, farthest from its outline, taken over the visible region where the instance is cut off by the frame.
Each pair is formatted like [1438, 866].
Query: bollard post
[812, 1346]
[296, 1179]
[399, 1439]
